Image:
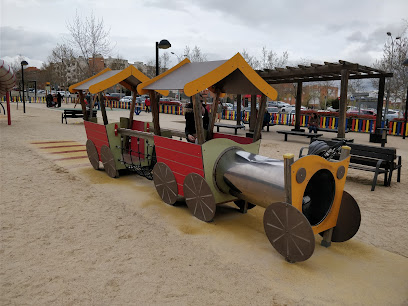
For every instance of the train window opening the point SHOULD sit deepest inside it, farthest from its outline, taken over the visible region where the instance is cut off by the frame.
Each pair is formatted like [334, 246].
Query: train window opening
[318, 197]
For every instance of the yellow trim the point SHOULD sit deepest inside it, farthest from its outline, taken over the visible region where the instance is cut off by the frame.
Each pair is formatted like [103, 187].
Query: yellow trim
[236, 62]
[312, 164]
[118, 79]
[141, 86]
[72, 87]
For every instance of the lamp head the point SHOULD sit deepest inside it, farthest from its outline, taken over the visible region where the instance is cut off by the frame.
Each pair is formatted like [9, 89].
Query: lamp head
[389, 33]
[164, 44]
[24, 63]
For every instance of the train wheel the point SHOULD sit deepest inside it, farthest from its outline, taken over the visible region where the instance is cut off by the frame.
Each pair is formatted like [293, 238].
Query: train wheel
[348, 221]
[109, 162]
[165, 183]
[199, 197]
[289, 232]
[92, 154]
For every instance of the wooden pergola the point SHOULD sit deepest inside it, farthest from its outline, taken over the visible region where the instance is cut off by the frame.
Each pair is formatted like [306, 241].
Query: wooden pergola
[342, 71]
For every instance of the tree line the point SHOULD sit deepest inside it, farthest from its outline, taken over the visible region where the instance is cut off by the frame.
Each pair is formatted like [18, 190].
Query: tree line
[89, 39]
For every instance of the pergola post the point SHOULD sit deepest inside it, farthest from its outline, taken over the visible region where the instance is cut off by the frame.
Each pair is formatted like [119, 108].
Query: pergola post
[103, 109]
[154, 103]
[239, 109]
[252, 117]
[132, 107]
[380, 103]
[81, 99]
[198, 118]
[259, 122]
[213, 115]
[298, 106]
[343, 104]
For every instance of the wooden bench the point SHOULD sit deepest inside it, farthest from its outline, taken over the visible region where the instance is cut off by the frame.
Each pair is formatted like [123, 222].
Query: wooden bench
[305, 134]
[229, 126]
[330, 130]
[75, 113]
[374, 159]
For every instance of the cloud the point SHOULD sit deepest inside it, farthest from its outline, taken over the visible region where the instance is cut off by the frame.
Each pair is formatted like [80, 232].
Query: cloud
[19, 41]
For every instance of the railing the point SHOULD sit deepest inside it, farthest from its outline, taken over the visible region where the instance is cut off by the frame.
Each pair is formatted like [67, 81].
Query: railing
[353, 124]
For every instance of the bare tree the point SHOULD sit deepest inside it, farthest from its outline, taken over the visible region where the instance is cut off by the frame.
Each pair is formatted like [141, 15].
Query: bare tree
[63, 66]
[89, 39]
[271, 60]
[195, 55]
[164, 61]
[151, 68]
[394, 53]
[117, 63]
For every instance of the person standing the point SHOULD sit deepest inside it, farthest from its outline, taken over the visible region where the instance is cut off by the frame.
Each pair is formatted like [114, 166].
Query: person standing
[313, 123]
[147, 105]
[59, 99]
[190, 129]
[219, 111]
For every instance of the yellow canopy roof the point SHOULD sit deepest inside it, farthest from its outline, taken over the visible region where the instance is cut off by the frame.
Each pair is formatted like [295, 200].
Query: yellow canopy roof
[128, 77]
[233, 76]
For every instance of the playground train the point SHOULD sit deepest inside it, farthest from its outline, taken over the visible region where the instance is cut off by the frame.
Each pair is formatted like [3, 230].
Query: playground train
[301, 198]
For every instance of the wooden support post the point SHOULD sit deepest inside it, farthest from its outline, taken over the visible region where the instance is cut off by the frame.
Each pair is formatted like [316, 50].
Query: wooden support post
[81, 99]
[288, 160]
[345, 152]
[298, 106]
[259, 121]
[91, 105]
[239, 109]
[103, 109]
[8, 108]
[213, 115]
[154, 103]
[198, 118]
[343, 104]
[380, 103]
[327, 235]
[132, 107]
[252, 117]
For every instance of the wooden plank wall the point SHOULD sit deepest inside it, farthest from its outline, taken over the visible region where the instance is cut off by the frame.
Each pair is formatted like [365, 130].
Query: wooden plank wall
[138, 126]
[96, 133]
[182, 157]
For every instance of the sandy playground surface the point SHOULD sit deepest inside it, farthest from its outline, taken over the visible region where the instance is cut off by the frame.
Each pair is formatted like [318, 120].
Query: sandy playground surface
[71, 235]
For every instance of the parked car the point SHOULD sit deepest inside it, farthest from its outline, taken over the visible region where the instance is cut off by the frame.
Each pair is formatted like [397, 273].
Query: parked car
[113, 96]
[287, 109]
[229, 106]
[272, 109]
[391, 115]
[64, 93]
[272, 104]
[167, 101]
[282, 104]
[126, 99]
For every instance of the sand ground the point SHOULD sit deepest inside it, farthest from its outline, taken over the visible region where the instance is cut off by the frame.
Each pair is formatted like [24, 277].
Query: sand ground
[70, 235]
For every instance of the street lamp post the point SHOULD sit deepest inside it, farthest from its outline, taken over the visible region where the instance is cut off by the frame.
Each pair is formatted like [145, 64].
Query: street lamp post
[23, 63]
[163, 44]
[387, 99]
[405, 63]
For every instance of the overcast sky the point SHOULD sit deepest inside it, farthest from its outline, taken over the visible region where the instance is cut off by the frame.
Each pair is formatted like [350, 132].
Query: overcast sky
[313, 30]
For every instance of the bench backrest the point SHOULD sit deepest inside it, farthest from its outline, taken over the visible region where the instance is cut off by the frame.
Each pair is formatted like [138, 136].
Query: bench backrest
[359, 151]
